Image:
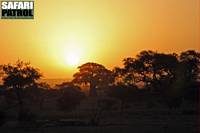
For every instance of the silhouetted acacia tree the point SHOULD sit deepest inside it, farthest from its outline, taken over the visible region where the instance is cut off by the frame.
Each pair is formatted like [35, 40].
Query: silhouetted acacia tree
[166, 75]
[136, 70]
[186, 82]
[163, 70]
[151, 69]
[190, 63]
[94, 74]
[19, 77]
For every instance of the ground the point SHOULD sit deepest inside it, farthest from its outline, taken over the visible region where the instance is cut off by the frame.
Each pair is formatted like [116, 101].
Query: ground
[137, 118]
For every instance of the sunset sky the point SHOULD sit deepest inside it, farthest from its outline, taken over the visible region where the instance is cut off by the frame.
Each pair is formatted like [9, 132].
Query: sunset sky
[67, 33]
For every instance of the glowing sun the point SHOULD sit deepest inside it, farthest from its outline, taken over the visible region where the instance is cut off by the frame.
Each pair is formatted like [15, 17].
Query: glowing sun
[72, 58]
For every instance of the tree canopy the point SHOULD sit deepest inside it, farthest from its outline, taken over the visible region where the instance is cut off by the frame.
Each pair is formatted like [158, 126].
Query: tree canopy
[19, 75]
[94, 74]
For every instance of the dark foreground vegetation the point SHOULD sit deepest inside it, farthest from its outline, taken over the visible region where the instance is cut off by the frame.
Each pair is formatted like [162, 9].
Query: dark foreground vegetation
[152, 92]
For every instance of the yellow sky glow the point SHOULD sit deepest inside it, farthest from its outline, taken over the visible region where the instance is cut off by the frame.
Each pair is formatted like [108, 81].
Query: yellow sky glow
[103, 31]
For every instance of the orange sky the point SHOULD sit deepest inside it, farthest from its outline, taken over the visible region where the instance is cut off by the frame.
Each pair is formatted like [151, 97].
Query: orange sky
[103, 31]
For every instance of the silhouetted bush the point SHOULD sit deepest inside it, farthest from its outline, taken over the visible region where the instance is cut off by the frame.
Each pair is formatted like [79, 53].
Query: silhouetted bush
[123, 93]
[104, 105]
[71, 96]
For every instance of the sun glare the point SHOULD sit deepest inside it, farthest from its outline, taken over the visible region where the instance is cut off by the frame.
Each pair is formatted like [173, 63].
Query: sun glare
[72, 58]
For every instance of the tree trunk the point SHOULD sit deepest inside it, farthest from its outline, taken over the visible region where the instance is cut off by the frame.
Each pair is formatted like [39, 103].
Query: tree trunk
[20, 102]
[93, 91]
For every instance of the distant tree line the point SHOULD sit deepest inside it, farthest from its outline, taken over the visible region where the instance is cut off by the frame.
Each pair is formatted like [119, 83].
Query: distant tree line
[151, 77]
